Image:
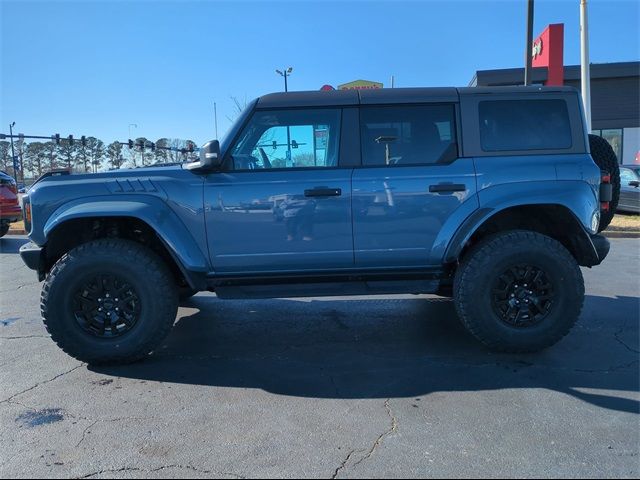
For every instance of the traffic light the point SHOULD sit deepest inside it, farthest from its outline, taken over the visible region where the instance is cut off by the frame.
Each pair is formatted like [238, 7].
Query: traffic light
[56, 138]
[70, 139]
[83, 141]
[130, 143]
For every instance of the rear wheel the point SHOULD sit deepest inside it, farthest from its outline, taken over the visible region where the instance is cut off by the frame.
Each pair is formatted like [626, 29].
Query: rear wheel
[519, 291]
[109, 301]
[604, 156]
[4, 228]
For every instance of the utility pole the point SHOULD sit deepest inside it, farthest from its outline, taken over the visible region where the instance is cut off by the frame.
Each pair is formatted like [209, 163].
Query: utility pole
[13, 153]
[585, 73]
[529, 48]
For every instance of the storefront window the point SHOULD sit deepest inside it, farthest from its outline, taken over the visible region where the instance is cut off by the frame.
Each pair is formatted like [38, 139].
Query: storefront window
[614, 137]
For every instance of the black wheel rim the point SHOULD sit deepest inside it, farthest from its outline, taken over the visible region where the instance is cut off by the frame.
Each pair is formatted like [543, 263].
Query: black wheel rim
[523, 296]
[106, 306]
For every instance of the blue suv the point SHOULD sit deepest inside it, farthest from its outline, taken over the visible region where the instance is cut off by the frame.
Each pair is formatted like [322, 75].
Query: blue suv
[492, 196]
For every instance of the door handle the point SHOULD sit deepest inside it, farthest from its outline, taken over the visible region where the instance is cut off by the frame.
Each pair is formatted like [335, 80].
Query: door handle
[323, 192]
[447, 188]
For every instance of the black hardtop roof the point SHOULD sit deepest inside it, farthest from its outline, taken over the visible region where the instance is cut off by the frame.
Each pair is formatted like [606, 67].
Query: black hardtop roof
[318, 98]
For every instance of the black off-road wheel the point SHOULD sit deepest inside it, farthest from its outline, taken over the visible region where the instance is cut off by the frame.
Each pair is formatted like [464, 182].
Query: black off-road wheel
[518, 291]
[604, 156]
[109, 301]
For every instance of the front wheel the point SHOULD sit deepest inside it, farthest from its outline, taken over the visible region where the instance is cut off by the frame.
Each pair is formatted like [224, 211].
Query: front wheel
[109, 301]
[518, 291]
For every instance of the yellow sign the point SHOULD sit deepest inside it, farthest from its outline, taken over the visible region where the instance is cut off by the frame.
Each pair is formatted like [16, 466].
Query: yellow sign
[360, 85]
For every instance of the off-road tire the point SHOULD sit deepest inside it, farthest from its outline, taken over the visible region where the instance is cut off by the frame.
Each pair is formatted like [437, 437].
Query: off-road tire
[604, 156]
[139, 267]
[476, 277]
[4, 228]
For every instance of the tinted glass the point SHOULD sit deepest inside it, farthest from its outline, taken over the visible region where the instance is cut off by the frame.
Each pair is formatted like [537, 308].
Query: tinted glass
[524, 125]
[626, 176]
[614, 137]
[288, 139]
[408, 135]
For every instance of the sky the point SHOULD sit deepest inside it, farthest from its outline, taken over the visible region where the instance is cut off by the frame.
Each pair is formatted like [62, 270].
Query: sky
[96, 67]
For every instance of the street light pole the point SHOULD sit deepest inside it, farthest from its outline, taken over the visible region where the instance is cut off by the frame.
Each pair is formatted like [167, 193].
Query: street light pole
[285, 74]
[585, 73]
[529, 48]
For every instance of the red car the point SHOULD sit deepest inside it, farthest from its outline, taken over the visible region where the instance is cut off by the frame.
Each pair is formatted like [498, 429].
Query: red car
[10, 210]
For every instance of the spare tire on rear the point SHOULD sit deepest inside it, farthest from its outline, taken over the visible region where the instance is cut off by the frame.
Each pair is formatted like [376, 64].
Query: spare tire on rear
[606, 159]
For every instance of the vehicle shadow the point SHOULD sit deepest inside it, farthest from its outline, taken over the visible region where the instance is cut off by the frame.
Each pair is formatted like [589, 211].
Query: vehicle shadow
[12, 244]
[387, 348]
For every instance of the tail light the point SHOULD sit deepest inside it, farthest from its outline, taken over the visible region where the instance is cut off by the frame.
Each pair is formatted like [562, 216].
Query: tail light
[606, 191]
[26, 212]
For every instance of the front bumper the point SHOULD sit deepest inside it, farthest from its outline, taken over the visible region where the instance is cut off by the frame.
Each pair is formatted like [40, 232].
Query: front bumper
[34, 258]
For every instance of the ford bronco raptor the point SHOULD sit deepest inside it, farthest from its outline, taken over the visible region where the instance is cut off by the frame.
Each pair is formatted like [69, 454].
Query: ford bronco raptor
[493, 196]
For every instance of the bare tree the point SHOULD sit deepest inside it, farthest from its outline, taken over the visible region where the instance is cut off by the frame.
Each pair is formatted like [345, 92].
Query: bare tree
[238, 107]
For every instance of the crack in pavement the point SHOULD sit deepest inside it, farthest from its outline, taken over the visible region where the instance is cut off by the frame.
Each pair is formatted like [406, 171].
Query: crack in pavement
[159, 469]
[40, 383]
[343, 464]
[378, 442]
[622, 342]
[25, 336]
[84, 433]
[614, 368]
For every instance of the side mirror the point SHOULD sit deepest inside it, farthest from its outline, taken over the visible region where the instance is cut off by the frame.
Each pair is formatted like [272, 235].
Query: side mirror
[634, 183]
[210, 157]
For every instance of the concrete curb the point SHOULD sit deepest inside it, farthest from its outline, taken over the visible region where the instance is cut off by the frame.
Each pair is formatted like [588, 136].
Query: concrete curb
[16, 232]
[620, 234]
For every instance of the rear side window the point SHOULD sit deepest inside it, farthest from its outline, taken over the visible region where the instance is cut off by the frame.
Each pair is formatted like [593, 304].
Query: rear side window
[408, 135]
[508, 125]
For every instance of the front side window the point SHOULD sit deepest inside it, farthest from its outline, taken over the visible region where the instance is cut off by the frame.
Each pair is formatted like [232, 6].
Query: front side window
[510, 125]
[288, 139]
[408, 135]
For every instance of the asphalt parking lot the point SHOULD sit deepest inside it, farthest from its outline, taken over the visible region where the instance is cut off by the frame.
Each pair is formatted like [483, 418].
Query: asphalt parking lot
[351, 387]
